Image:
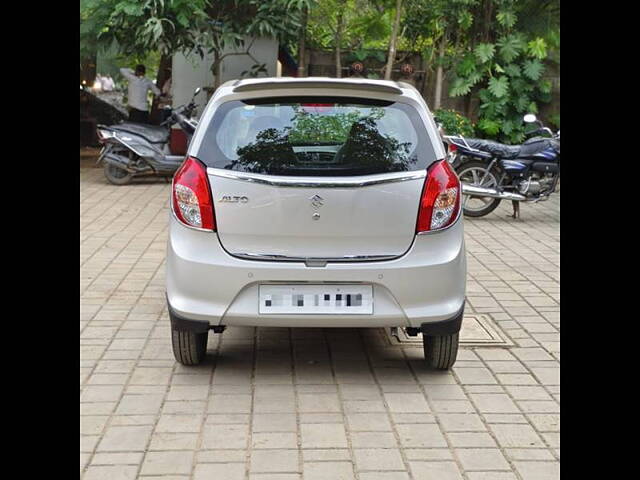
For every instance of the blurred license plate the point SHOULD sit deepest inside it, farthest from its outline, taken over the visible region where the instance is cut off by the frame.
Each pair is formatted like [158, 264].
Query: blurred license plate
[316, 299]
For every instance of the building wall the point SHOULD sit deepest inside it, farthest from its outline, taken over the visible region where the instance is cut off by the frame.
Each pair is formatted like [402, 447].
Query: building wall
[190, 71]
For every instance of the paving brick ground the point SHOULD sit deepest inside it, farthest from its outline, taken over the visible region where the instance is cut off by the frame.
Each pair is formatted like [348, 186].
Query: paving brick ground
[310, 403]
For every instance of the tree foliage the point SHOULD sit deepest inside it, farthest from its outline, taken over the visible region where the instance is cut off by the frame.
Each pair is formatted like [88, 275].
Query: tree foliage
[140, 26]
[494, 50]
[505, 72]
[365, 26]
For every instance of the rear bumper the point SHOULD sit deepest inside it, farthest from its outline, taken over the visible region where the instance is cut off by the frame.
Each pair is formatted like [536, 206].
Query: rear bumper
[207, 286]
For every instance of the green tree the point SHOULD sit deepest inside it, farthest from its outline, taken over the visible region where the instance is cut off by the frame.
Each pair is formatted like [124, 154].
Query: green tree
[170, 26]
[495, 51]
[504, 68]
[440, 29]
[167, 26]
[231, 22]
[353, 26]
[393, 40]
[140, 27]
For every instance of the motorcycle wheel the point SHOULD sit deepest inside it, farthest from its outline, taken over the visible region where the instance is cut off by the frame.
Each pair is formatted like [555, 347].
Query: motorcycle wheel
[115, 175]
[471, 173]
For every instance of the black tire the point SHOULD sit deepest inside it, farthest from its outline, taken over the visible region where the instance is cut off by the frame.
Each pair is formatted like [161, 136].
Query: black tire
[115, 175]
[189, 348]
[492, 205]
[440, 351]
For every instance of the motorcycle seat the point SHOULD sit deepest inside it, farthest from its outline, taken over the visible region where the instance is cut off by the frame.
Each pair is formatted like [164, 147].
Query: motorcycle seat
[538, 144]
[494, 148]
[151, 133]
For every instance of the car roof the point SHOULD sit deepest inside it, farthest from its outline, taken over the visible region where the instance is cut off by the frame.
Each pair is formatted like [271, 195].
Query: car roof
[357, 84]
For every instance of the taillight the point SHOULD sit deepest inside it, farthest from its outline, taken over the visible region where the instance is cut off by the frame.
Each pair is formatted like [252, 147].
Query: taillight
[192, 200]
[452, 148]
[440, 200]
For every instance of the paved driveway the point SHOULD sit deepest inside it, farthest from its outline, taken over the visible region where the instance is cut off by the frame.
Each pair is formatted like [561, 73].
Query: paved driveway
[311, 403]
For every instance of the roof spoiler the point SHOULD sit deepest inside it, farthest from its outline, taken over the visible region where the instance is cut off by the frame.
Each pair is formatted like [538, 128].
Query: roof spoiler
[340, 84]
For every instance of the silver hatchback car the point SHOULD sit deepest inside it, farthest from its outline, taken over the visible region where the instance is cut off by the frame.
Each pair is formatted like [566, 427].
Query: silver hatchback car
[316, 202]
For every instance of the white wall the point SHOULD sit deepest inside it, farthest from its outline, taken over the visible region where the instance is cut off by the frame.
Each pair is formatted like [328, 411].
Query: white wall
[190, 72]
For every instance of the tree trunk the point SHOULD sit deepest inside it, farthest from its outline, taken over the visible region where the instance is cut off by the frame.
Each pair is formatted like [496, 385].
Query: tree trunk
[469, 105]
[338, 39]
[301, 44]
[165, 63]
[392, 41]
[437, 100]
[216, 67]
[487, 20]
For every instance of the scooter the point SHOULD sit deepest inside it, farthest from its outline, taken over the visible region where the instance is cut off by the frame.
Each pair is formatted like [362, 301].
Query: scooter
[133, 150]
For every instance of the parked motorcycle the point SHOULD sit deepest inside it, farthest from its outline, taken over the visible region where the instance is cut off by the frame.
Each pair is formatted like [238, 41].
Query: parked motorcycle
[491, 172]
[135, 149]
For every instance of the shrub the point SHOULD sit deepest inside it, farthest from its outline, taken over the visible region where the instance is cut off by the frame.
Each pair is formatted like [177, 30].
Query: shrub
[454, 123]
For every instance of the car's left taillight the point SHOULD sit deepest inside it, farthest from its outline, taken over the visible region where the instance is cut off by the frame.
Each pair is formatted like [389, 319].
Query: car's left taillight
[191, 195]
[440, 201]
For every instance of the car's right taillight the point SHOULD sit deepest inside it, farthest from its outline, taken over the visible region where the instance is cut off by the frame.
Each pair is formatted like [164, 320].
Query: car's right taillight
[440, 201]
[191, 195]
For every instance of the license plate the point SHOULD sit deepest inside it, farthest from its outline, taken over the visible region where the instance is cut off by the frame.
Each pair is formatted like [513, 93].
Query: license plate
[316, 299]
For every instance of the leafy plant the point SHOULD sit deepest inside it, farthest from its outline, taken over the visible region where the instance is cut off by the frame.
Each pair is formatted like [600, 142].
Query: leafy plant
[362, 55]
[453, 122]
[255, 71]
[506, 74]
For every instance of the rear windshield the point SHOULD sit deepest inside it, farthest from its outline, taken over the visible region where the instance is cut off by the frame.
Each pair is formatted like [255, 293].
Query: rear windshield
[314, 136]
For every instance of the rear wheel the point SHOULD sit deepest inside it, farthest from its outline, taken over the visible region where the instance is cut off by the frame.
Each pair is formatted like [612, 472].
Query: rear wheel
[440, 351]
[189, 348]
[475, 173]
[116, 175]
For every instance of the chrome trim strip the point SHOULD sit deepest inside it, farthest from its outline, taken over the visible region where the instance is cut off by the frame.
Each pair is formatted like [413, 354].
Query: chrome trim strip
[311, 182]
[285, 258]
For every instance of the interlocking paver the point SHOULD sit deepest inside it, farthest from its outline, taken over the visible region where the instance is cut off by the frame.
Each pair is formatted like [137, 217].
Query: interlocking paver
[305, 404]
[482, 459]
[324, 470]
[436, 470]
[163, 463]
[125, 438]
[266, 461]
[378, 459]
[323, 436]
[228, 471]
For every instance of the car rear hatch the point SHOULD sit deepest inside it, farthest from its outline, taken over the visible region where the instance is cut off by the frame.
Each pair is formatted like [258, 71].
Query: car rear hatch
[364, 218]
[316, 179]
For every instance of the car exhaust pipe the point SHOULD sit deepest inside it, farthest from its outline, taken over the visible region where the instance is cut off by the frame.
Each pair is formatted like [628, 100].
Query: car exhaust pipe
[491, 192]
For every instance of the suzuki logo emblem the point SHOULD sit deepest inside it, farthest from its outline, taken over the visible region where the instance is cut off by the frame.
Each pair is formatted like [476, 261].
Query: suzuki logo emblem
[316, 201]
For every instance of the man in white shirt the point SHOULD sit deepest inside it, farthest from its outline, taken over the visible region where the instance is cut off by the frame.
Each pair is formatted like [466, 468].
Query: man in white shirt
[107, 84]
[137, 97]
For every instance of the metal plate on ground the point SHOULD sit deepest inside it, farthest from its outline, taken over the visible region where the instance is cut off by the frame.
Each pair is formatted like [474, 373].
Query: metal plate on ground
[478, 330]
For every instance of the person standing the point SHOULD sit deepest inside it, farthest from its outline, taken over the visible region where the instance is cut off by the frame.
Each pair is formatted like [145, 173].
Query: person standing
[165, 99]
[139, 85]
[107, 84]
